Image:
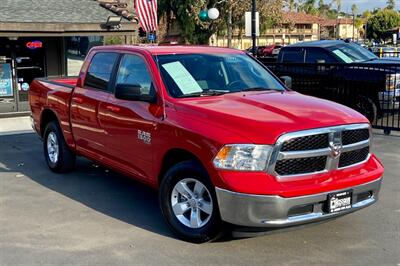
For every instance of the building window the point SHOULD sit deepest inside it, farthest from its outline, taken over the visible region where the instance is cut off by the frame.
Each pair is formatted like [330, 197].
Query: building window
[76, 49]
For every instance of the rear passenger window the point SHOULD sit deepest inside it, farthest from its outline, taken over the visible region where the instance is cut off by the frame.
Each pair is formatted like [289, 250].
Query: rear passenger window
[293, 56]
[318, 55]
[100, 70]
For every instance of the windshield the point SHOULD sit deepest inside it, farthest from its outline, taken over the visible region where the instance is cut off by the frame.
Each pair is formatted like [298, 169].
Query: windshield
[352, 53]
[191, 75]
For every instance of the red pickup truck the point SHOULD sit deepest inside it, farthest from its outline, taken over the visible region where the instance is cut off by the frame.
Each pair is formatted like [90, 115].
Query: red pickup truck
[221, 138]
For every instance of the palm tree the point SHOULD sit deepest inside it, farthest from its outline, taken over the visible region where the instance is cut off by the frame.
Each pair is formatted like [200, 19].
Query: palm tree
[339, 5]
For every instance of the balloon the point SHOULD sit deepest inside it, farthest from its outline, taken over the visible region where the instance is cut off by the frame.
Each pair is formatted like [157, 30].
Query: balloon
[203, 15]
[213, 13]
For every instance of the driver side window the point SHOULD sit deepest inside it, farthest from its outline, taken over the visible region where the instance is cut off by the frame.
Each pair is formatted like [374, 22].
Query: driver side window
[133, 71]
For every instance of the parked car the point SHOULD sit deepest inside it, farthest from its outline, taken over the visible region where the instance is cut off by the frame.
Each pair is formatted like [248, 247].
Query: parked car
[272, 50]
[372, 82]
[216, 133]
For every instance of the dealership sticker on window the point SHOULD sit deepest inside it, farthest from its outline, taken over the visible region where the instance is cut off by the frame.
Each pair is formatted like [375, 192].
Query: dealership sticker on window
[185, 81]
[342, 56]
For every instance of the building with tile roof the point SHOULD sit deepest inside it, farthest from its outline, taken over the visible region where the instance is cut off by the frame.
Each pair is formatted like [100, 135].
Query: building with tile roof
[51, 38]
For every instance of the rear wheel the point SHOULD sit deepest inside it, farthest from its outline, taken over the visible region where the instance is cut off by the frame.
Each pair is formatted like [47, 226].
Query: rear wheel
[59, 157]
[188, 203]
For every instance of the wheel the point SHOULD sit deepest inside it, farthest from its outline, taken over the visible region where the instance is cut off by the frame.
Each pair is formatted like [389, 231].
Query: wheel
[387, 132]
[189, 204]
[59, 157]
[367, 107]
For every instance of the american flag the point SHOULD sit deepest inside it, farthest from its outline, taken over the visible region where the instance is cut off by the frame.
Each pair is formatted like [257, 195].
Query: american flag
[146, 11]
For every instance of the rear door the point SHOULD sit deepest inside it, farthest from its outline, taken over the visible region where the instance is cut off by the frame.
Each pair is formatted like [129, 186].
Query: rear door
[89, 106]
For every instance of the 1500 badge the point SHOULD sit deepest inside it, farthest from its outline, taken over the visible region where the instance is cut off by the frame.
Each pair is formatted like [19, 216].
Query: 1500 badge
[144, 136]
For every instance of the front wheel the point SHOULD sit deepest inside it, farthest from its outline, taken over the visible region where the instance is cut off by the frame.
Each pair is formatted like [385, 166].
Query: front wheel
[188, 203]
[59, 157]
[367, 107]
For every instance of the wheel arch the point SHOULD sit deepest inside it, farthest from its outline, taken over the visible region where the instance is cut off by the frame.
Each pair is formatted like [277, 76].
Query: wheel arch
[174, 156]
[46, 117]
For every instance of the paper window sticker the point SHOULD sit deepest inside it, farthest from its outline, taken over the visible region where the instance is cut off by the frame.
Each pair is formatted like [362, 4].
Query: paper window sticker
[182, 77]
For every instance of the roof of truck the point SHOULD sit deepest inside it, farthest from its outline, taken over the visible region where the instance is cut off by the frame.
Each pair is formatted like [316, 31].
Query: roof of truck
[323, 44]
[173, 49]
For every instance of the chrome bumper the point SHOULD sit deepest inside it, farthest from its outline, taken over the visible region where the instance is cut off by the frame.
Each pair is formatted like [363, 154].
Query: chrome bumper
[275, 211]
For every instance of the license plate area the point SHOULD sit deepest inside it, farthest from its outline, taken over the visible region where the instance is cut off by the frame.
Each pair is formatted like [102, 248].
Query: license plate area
[339, 201]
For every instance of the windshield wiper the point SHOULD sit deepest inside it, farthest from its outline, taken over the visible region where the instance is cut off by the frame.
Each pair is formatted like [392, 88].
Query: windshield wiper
[260, 89]
[204, 93]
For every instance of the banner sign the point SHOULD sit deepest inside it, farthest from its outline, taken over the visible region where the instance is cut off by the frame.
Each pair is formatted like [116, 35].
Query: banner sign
[6, 84]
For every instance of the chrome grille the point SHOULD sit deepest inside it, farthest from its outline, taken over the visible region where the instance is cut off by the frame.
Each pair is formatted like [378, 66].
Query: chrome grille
[300, 165]
[320, 150]
[354, 136]
[353, 157]
[305, 143]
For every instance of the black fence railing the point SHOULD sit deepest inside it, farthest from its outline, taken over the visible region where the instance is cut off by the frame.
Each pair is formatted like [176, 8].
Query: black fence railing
[372, 89]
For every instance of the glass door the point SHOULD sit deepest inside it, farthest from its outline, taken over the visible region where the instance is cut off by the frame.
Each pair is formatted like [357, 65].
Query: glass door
[30, 64]
[7, 81]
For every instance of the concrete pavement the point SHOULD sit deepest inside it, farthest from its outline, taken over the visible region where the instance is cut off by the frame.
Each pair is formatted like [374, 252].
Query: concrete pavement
[93, 216]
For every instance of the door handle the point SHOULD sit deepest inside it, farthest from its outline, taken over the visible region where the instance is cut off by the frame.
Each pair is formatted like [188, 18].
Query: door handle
[112, 108]
[77, 99]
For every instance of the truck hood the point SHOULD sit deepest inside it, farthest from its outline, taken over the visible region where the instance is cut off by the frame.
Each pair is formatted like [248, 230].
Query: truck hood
[261, 117]
[385, 60]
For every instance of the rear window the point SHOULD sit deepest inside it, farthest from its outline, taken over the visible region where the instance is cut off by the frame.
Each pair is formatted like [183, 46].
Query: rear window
[100, 70]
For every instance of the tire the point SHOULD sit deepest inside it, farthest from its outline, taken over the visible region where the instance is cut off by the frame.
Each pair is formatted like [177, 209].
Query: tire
[207, 225]
[367, 107]
[59, 158]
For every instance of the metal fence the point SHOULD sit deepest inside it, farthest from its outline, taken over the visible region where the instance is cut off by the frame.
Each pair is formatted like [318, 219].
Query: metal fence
[372, 89]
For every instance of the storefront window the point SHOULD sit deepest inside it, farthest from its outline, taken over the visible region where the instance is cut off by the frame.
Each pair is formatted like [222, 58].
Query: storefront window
[76, 50]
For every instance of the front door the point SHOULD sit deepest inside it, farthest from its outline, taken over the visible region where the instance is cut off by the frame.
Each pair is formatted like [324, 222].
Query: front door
[130, 125]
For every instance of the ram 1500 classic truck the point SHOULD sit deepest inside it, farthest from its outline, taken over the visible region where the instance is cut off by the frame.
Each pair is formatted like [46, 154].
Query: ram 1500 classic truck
[221, 138]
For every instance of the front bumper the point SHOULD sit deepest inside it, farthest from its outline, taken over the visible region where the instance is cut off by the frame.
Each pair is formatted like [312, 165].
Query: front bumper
[275, 211]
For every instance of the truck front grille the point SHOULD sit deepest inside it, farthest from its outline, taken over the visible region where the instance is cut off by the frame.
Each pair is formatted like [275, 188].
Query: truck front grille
[320, 150]
[353, 157]
[300, 165]
[354, 136]
[306, 143]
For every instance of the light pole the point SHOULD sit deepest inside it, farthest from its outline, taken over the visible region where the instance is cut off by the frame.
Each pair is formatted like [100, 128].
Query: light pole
[253, 25]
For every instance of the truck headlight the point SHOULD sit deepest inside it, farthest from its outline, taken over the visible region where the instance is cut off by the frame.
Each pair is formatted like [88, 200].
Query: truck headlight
[392, 81]
[243, 157]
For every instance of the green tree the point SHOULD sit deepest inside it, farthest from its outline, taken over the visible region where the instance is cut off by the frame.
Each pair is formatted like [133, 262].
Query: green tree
[391, 4]
[381, 22]
[192, 30]
[291, 5]
[339, 6]
[354, 9]
[308, 7]
[367, 14]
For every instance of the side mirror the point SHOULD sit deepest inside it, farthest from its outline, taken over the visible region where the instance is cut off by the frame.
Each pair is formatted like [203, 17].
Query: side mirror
[133, 92]
[287, 81]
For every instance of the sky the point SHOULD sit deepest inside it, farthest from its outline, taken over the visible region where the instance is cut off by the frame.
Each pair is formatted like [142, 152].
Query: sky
[365, 4]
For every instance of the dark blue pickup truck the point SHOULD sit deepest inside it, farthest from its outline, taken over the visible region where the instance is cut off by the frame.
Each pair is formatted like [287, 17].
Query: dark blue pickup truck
[343, 72]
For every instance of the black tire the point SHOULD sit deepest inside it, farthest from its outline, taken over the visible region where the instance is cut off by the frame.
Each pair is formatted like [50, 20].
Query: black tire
[213, 228]
[367, 107]
[66, 158]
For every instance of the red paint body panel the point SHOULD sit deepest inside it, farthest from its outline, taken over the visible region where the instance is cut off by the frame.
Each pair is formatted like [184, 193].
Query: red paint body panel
[105, 129]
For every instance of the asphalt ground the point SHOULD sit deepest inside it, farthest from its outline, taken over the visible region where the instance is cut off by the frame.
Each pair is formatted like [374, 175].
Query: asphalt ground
[93, 216]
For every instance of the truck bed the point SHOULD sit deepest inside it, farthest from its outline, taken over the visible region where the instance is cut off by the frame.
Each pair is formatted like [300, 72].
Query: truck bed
[52, 95]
